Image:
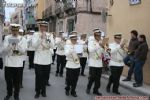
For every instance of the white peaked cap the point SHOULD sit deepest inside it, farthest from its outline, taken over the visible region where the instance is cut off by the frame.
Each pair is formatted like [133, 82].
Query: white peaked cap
[31, 31]
[21, 30]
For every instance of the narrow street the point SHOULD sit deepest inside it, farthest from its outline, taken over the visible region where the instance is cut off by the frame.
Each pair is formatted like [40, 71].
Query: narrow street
[56, 90]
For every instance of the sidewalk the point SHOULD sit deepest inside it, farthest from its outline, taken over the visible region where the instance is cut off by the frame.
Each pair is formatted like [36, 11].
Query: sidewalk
[144, 90]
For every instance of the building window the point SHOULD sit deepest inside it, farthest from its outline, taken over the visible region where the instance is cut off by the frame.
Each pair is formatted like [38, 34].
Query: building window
[70, 25]
[61, 26]
[134, 2]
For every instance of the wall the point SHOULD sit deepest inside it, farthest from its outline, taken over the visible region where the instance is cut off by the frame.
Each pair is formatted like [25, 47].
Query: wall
[126, 18]
[39, 8]
[87, 22]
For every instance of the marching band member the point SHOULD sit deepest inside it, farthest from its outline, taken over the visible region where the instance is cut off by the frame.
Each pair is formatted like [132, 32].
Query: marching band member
[83, 58]
[72, 66]
[95, 50]
[15, 46]
[42, 42]
[55, 48]
[61, 58]
[116, 63]
[68, 41]
[31, 50]
[21, 33]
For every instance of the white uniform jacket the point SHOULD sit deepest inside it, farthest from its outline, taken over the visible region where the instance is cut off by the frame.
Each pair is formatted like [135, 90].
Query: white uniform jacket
[60, 47]
[95, 54]
[70, 57]
[15, 60]
[43, 55]
[117, 55]
[85, 53]
[29, 40]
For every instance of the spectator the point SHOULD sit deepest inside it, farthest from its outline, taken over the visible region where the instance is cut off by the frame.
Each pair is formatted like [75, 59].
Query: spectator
[128, 60]
[140, 58]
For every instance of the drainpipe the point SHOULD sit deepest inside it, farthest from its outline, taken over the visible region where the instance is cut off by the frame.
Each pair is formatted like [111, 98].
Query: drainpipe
[91, 10]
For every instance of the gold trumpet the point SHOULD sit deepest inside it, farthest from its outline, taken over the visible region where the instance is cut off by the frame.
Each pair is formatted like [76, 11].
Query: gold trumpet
[75, 58]
[124, 46]
[46, 39]
[61, 44]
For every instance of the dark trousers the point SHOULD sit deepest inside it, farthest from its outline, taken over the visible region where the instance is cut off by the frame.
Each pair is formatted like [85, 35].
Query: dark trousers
[53, 57]
[31, 58]
[129, 61]
[48, 71]
[72, 76]
[41, 78]
[138, 71]
[61, 63]
[94, 77]
[12, 77]
[21, 72]
[114, 78]
[83, 64]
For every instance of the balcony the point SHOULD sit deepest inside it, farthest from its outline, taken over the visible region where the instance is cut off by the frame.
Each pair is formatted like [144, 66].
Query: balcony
[49, 12]
[68, 5]
[2, 9]
[2, 12]
[44, 14]
[58, 7]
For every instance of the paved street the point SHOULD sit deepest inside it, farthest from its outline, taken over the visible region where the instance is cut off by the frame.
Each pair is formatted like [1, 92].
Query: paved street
[56, 91]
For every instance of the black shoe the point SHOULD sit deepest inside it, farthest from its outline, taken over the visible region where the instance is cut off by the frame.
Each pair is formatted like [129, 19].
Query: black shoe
[74, 94]
[48, 84]
[7, 97]
[16, 98]
[97, 93]
[37, 95]
[137, 85]
[21, 86]
[108, 89]
[126, 80]
[88, 91]
[83, 75]
[61, 75]
[43, 94]
[116, 92]
[67, 93]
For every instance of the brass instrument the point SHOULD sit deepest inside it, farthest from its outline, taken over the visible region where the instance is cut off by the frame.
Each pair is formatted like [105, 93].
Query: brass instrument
[124, 44]
[75, 58]
[45, 39]
[61, 44]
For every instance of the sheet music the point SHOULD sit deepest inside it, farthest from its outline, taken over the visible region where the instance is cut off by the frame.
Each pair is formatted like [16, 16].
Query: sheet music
[13, 40]
[78, 49]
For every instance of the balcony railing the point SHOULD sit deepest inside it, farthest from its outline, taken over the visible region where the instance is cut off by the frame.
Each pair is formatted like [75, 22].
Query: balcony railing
[69, 5]
[49, 12]
[58, 7]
